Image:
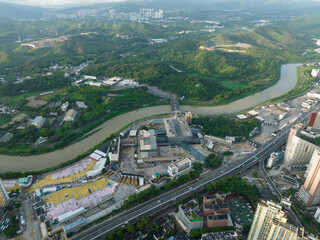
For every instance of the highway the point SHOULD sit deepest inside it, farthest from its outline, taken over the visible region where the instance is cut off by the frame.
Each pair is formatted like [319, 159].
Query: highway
[156, 204]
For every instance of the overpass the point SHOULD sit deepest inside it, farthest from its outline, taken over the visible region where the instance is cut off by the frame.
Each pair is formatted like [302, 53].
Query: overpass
[156, 204]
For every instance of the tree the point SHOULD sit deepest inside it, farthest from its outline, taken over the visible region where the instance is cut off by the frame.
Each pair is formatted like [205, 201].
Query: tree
[130, 228]
[212, 161]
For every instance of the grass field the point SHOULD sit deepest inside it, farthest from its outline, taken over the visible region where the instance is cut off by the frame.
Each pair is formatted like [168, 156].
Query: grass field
[233, 85]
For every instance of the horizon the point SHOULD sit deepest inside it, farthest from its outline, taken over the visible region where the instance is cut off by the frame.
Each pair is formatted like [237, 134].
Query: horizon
[79, 3]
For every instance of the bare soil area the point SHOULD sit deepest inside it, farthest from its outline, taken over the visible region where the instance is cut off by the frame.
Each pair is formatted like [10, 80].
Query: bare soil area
[35, 102]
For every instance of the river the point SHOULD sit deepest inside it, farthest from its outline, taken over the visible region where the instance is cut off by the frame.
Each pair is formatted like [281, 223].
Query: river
[288, 79]
[16, 163]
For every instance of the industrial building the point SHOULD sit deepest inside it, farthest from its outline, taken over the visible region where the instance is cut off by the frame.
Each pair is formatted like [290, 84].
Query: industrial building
[114, 151]
[4, 197]
[70, 116]
[309, 192]
[177, 168]
[298, 151]
[177, 130]
[148, 144]
[38, 121]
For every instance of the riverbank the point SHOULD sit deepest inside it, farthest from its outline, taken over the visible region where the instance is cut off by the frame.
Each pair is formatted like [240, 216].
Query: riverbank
[287, 81]
[51, 159]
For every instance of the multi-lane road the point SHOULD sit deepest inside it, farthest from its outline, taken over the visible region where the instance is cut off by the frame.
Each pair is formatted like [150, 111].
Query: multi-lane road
[156, 204]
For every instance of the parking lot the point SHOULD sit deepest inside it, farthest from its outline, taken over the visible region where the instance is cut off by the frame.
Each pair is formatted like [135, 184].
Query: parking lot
[241, 210]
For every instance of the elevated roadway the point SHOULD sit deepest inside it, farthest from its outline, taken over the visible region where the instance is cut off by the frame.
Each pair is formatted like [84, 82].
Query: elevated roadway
[156, 204]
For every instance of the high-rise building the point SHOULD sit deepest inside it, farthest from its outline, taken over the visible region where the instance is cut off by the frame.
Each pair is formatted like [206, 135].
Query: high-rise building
[284, 231]
[298, 151]
[309, 192]
[270, 222]
[265, 213]
[4, 197]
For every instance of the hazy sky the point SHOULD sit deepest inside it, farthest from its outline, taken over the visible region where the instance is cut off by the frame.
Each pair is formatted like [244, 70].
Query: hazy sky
[56, 3]
[65, 3]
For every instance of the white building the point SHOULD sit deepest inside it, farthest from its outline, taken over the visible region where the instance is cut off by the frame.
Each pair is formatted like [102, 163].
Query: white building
[317, 215]
[92, 83]
[38, 121]
[315, 72]
[96, 170]
[64, 106]
[298, 151]
[274, 157]
[81, 105]
[114, 151]
[179, 167]
[70, 116]
[87, 77]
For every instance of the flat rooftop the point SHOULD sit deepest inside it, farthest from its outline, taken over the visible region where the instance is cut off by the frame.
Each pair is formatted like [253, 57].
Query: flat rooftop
[177, 127]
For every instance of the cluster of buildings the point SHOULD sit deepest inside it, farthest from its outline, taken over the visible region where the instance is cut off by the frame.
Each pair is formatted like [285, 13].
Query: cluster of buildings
[106, 13]
[300, 152]
[214, 212]
[271, 222]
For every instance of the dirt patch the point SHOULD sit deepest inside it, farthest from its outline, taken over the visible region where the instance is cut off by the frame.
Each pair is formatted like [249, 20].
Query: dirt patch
[35, 102]
[16, 118]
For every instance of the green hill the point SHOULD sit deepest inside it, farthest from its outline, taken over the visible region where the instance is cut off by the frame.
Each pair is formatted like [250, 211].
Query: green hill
[306, 25]
[273, 37]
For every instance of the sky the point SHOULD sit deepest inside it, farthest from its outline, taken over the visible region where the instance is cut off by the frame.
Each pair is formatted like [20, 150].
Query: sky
[68, 3]
[58, 3]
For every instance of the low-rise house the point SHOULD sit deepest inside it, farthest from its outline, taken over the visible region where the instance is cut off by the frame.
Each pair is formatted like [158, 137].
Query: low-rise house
[38, 121]
[70, 116]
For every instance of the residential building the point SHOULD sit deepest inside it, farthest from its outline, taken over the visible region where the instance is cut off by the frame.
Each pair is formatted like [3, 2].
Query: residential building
[309, 192]
[70, 116]
[148, 144]
[270, 222]
[180, 167]
[298, 151]
[281, 230]
[4, 197]
[189, 216]
[262, 221]
[38, 121]
[215, 211]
